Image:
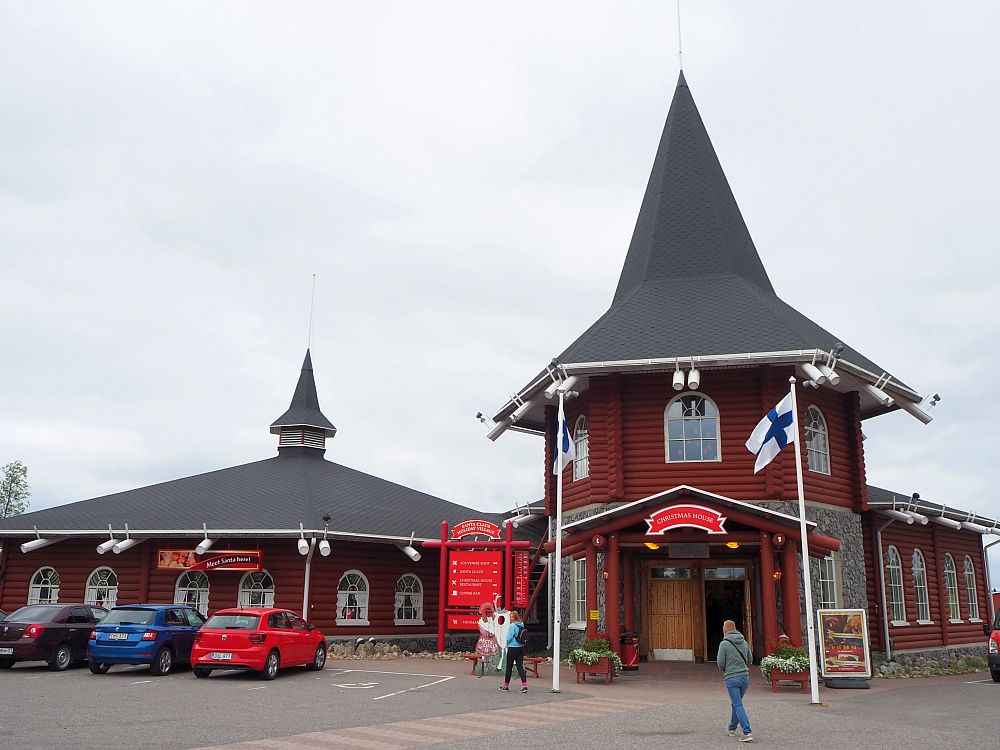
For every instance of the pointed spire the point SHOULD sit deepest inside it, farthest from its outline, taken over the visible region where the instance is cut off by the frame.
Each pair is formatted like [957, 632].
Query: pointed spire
[689, 224]
[304, 413]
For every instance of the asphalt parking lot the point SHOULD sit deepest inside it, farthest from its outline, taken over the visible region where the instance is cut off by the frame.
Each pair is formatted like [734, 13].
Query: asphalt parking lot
[129, 708]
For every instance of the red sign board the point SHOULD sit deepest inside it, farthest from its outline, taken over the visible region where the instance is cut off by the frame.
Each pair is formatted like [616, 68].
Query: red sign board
[522, 577]
[475, 526]
[690, 516]
[474, 577]
[463, 622]
[232, 559]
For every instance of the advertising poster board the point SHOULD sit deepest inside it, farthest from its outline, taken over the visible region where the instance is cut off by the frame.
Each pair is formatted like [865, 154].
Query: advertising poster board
[230, 559]
[843, 643]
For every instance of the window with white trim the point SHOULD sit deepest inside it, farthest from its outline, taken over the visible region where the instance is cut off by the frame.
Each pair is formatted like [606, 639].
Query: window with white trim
[692, 429]
[352, 599]
[44, 587]
[951, 588]
[578, 589]
[828, 582]
[894, 581]
[409, 602]
[920, 587]
[102, 588]
[581, 447]
[192, 589]
[970, 588]
[257, 590]
[817, 441]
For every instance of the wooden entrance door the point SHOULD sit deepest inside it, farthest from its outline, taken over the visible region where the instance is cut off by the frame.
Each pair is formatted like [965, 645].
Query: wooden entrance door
[671, 615]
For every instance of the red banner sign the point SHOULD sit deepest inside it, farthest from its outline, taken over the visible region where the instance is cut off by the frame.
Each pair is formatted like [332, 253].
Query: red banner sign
[522, 577]
[474, 577]
[475, 526]
[463, 622]
[691, 516]
[232, 559]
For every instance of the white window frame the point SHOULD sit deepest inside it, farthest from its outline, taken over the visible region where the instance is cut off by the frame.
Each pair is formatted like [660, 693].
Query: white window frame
[581, 447]
[828, 581]
[201, 593]
[360, 600]
[252, 587]
[578, 594]
[920, 592]
[951, 589]
[95, 586]
[667, 419]
[971, 590]
[416, 600]
[894, 584]
[817, 441]
[50, 585]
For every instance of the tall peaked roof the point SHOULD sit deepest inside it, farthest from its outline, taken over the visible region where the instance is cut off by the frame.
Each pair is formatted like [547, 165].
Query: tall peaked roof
[304, 410]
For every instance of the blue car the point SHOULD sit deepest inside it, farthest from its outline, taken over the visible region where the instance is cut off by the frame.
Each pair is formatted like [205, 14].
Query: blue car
[159, 635]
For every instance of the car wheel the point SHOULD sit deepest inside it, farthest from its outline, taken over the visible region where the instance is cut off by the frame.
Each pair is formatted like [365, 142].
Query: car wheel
[319, 658]
[62, 658]
[995, 674]
[163, 662]
[270, 670]
[6, 663]
[98, 667]
[201, 672]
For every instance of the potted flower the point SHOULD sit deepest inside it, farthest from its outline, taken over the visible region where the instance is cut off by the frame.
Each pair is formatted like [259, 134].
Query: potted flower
[785, 662]
[594, 656]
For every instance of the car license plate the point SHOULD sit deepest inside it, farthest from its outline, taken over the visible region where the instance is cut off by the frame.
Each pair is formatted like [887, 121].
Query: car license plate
[6, 651]
[217, 656]
[117, 636]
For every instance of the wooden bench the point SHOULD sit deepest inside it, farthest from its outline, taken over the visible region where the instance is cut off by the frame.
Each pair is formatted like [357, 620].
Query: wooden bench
[530, 662]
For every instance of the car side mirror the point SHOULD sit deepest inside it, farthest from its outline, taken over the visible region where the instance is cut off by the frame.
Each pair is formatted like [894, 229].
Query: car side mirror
[310, 626]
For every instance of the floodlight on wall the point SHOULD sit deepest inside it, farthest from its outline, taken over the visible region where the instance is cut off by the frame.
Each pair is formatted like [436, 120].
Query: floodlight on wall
[204, 545]
[832, 377]
[942, 521]
[878, 394]
[813, 373]
[899, 516]
[324, 545]
[694, 379]
[972, 526]
[918, 517]
[37, 544]
[678, 377]
[105, 547]
[125, 544]
[302, 544]
[410, 551]
[554, 386]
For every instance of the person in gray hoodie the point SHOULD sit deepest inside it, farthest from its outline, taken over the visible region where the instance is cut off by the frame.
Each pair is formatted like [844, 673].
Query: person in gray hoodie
[734, 660]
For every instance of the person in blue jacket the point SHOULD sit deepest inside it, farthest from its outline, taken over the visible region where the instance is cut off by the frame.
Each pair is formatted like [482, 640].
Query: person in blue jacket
[515, 652]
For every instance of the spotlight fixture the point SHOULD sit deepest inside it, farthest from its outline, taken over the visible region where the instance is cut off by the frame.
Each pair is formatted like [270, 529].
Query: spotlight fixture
[733, 545]
[410, 551]
[831, 376]
[124, 544]
[204, 545]
[694, 379]
[813, 373]
[104, 547]
[324, 548]
[302, 544]
[776, 575]
[678, 380]
[652, 545]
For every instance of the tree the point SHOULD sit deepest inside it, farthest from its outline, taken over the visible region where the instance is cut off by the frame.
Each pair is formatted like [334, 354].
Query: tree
[14, 490]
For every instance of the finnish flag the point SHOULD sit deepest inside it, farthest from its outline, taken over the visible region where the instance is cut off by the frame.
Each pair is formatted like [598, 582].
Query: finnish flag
[772, 433]
[568, 452]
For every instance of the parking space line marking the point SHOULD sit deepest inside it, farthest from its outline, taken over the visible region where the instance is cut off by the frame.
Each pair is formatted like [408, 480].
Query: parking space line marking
[418, 687]
[976, 682]
[140, 682]
[259, 687]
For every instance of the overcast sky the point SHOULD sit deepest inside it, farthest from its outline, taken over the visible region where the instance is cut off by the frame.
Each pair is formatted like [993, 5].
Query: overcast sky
[463, 178]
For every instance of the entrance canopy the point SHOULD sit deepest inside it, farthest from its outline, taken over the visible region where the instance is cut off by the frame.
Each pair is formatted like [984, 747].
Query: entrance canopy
[696, 511]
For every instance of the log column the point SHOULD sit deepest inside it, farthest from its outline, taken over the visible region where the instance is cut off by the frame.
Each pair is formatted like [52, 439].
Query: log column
[628, 591]
[591, 589]
[768, 600]
[612, 605]
[790, 592]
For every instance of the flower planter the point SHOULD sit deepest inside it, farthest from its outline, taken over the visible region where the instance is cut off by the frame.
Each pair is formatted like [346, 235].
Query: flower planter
[602, 666]
[800, 677]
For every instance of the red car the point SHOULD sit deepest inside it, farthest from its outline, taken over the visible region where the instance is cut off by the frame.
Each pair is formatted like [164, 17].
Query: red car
[258, 638]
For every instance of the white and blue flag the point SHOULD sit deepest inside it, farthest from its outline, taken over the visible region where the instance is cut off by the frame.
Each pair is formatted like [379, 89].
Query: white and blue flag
[772, 433]
[565, 450]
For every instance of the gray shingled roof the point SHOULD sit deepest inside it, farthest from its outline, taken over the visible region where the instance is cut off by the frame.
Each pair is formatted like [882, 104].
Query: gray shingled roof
[304, 410]
[277, 493]
[692, 282]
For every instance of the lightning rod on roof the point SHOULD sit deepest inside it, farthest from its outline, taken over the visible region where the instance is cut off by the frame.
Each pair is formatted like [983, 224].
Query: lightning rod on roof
[312, 305]
[680, 47]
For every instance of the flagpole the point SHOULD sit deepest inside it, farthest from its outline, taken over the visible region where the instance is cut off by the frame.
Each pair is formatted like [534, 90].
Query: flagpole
[557, 607]
[803, 533]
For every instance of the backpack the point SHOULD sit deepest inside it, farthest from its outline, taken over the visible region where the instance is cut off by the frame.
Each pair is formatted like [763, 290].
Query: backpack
[522, 635]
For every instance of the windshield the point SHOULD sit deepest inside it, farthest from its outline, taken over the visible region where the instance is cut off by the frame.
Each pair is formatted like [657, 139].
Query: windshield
[35, 613]
[129, 617]
[233, 622]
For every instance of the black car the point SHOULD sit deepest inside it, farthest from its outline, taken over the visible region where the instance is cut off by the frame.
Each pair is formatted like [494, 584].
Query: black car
[53, 633]
[3, 615]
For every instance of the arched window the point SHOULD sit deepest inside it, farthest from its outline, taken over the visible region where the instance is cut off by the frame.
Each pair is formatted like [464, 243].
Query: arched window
[257, 590]
[352, 599]
[409, 601]
[102, 588]
[44, 587]
[817, 441]
[692, 429]
[894, 582]
[970, 589]
[192, 589]
[920, 587]
[581, 447]
[951, 588]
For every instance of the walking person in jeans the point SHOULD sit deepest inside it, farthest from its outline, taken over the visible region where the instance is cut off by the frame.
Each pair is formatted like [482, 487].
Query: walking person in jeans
[515, 652]
[734, 660]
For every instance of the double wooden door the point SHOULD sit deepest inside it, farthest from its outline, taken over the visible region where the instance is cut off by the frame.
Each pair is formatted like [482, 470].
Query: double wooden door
[672, 620]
